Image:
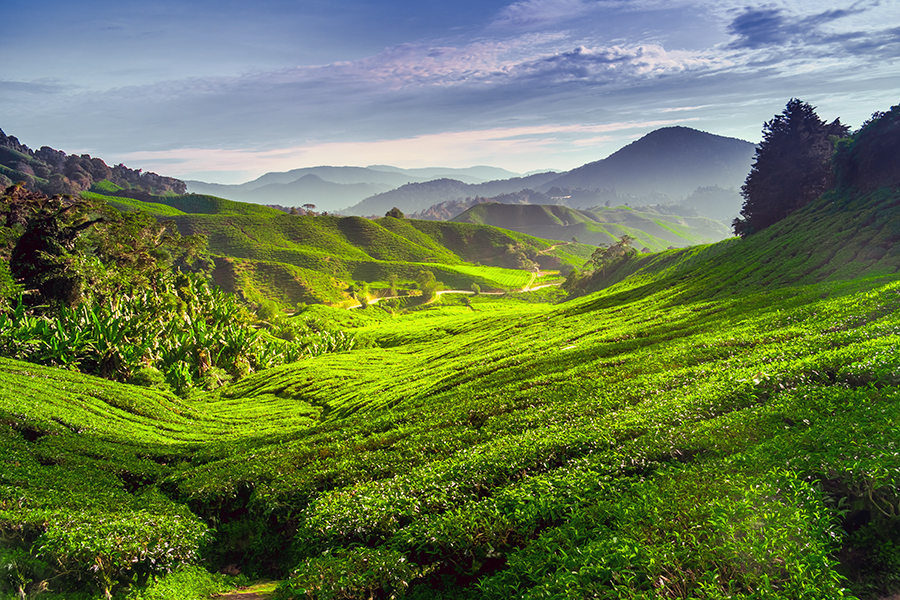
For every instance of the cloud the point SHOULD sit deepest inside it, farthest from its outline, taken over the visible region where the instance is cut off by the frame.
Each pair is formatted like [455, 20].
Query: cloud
[517, 146]
[40, 87]
[530, 14]
[614, 64]
[756, 28]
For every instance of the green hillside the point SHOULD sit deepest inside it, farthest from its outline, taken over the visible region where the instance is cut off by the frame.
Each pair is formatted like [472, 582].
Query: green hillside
[265, 254]
[711, 422]
[679, 434]
[183, 204]
[322, 255]
[654, 231]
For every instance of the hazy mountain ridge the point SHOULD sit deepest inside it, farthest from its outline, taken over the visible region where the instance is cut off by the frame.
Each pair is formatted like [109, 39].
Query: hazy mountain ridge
[670, 165]
[368, 181]
[445, 211]
[421, 196]
[476, 174]
[673, 160]
[665, 166]
[651, 229]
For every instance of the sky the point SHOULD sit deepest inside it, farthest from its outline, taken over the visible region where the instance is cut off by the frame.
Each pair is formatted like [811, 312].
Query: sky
[224, 91]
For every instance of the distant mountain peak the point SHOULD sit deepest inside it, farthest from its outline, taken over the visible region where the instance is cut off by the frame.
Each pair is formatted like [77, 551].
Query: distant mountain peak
[672, 160]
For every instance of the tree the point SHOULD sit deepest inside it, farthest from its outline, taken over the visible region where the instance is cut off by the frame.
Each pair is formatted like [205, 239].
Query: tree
[606, 256]
[426, 282]
[395, 212]
[792, 167]
[70, 250]
[310, 209]
[40, 258]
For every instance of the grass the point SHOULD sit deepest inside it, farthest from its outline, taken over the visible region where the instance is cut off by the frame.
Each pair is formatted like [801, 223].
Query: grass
[129, 204]
[717, 424]
[308, 259]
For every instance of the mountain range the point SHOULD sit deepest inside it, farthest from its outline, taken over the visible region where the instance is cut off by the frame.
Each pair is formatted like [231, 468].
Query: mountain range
[335, 188]
[668, 165]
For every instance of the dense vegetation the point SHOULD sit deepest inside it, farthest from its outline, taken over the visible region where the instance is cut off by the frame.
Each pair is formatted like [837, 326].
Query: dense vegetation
[792, 166]
[124, 296]
[711, 422]
[265, 255]
[55, 172]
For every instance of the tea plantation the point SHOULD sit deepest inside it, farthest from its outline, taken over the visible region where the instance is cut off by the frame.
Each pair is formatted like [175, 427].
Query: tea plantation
[712, 422]
[720, 424]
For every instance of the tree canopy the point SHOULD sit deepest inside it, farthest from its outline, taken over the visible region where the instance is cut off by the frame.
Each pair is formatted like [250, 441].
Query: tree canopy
[65, 249]
[792, 166]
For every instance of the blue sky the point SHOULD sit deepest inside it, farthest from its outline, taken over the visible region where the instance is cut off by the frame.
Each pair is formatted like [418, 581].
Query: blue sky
[225, 91]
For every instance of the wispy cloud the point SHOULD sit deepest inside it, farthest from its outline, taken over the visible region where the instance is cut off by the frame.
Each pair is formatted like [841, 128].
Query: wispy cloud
[43, 86]
[528, 14]
[616, 63]
[494, 63]
[517, 145]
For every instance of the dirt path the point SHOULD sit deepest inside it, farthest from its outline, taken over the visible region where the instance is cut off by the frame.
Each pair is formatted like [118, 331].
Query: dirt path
[259, 591]
[527, 288]
[554, 247]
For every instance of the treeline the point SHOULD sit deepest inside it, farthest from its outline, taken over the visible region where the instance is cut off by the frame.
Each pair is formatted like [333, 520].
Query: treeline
[54, 172]
[801, 156]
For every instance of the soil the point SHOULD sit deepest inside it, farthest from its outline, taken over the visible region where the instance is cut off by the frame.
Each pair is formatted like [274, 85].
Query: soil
[259, 591]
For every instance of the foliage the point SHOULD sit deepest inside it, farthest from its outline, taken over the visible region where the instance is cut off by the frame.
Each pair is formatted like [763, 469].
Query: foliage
[716, 422]
[187, 582]
[792, 167]
[356, 573]
[604, 258]
[428, 285]
[72, 251]
[123, 303]
[191, 333]
[607, 256]
[865, 160]
[54, 172]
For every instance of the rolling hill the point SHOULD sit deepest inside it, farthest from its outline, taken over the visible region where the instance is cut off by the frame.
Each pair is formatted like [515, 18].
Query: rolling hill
[599, 226]
[419, 196]
[265, 254]
[710, 422]
[314, 259]
[704, 424]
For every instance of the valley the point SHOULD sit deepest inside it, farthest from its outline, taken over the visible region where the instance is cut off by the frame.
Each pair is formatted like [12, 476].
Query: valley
[717, 420]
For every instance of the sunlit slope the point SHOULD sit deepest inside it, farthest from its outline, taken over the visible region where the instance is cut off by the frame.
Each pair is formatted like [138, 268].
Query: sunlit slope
[712, 426]
[843, 235]
[677, 431]
[173, 204]
[265, 254]
[321, 255]
[81, 460]
[542, 430]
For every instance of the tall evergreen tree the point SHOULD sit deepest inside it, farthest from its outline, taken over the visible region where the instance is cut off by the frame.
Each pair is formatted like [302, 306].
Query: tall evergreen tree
[792, 167]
